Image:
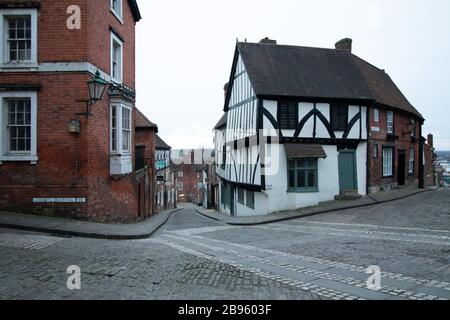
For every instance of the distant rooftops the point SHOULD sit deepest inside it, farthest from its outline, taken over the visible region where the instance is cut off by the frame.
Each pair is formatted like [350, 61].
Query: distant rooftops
[160, 144]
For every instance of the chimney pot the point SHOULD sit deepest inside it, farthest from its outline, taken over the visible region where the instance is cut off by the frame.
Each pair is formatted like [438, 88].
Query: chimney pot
[430, 140]
[266, 40]
[344, 44]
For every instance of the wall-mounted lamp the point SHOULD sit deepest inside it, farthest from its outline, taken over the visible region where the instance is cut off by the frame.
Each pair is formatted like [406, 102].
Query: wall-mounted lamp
[74, 126]
[96, 88]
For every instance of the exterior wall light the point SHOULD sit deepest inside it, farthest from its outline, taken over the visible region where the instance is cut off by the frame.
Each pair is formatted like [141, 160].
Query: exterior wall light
[96, 87]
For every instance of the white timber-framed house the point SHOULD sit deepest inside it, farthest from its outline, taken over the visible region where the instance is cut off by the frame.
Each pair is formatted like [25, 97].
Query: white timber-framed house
[295, 129]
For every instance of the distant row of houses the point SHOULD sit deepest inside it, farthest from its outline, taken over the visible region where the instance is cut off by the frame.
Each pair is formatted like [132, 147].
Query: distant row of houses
[306, 125]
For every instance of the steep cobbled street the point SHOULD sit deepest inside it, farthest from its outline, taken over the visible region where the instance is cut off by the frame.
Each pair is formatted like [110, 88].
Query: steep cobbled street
[192, 257]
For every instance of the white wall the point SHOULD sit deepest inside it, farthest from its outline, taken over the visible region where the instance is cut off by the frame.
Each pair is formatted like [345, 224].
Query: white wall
[276, 198]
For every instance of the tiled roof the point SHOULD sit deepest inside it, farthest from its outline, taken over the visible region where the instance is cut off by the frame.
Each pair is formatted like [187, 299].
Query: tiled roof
[222, 122]
[304, 72]
[161, 144]
[141, 121]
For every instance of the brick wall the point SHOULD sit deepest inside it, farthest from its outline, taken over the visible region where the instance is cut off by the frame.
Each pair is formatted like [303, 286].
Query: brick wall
[74, 165]
[376, 181]
[190, 180]
[98, 40]
[146, 137]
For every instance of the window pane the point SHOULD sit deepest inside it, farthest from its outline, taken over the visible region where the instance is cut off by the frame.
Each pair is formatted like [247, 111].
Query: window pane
[312, 179]
[21, 145]
[301, 179]
[311, 163]
[288, 115]
[291, 178]
[301, 163]
[291, 164]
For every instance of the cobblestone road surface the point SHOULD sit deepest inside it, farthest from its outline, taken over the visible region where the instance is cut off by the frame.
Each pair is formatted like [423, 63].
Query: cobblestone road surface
[192, 257]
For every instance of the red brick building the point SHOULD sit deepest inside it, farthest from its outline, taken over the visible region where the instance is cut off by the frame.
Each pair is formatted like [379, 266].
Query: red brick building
[145, 162]
[51, 49]
[192, 169]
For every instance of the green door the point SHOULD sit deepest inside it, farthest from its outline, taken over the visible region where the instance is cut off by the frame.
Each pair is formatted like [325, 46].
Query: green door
[347, 170]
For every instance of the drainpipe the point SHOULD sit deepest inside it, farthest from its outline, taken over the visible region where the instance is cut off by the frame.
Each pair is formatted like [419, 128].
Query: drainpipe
[369, 149]
[421, 155]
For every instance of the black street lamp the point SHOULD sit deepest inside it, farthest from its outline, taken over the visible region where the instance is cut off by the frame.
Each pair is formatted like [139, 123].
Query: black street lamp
[96, 88]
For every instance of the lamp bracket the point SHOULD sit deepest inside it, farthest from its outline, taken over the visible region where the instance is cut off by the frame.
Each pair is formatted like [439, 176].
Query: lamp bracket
[89, 103]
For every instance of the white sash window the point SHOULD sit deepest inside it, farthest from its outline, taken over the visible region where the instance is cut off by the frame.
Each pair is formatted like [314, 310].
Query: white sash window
[18, 126]
[388, 161]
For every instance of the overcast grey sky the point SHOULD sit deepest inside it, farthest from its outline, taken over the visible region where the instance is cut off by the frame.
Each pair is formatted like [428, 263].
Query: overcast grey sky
[185, 51]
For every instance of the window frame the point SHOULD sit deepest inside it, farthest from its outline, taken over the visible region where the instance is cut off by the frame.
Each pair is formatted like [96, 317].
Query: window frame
[115, 39]
[118, 15]
[412, 162]
[413, 133]
[287, 104]
[390, 129]
[126, 130]
[375, 151]
[340, 127]
[384, 174]
[376, 115]
[241, 196]
[296, 188]
[16, 125]
[250, 200]
[4, 52]
[5, 154]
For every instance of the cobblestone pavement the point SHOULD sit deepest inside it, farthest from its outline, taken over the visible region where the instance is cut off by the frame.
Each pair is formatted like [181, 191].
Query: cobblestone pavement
[192, 257]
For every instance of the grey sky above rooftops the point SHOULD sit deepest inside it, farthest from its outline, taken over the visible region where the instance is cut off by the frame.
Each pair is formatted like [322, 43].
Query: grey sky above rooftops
[185, 51]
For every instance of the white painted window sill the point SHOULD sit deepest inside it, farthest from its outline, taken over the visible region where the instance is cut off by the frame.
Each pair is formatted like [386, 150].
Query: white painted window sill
[31, 159]
[21, 66]
[117, 15]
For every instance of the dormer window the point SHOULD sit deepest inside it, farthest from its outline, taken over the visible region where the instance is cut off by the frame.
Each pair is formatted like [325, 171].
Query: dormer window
[116, 8]
[18, 37]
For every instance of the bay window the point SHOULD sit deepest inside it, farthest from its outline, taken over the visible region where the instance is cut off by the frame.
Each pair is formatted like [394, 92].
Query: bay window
[120, 129]
[18, 127]
[120, 138]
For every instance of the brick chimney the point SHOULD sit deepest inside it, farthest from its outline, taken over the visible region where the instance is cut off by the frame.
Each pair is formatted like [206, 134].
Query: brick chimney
[266, 40]
[344, 44]
[430, 140]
